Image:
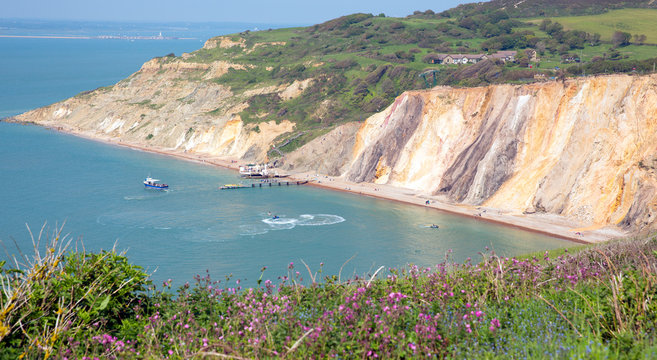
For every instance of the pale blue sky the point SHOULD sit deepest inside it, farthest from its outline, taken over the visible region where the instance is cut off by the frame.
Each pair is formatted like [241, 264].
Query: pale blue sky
[262, 11]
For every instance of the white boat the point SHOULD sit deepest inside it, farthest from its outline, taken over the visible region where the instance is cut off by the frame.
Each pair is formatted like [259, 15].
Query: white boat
[260, 171]
[149, 182]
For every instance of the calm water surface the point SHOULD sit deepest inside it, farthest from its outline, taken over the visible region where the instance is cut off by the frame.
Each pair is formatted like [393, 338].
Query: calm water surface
[96, 189]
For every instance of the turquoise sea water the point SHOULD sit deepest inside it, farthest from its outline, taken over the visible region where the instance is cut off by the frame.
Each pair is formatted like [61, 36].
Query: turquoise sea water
[96, 190]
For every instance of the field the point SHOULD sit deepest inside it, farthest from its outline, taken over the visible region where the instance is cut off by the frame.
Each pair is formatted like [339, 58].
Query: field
[633, 21]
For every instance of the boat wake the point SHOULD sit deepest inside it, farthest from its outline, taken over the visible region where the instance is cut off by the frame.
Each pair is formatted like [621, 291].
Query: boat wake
[286, 223]
[212, 229]
[140, 197]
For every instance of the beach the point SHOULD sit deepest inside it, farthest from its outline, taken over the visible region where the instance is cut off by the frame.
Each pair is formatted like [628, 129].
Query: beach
[548, 224]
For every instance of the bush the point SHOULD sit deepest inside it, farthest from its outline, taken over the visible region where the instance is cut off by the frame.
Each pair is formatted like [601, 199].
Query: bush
[595, 303]
[620, 38]
[53, 298]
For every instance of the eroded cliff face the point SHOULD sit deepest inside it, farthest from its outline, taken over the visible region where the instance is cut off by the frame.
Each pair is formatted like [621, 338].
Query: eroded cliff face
[584, 149]
[175, 105]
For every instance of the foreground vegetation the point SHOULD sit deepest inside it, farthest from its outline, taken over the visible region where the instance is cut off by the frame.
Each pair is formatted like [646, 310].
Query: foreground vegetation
[596, 303]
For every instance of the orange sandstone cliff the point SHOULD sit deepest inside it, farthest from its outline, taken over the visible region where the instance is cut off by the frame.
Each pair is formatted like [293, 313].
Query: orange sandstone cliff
[584, 149]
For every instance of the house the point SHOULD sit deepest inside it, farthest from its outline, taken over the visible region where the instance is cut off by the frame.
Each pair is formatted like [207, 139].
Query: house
[569, 58]
[508, 55]
[531, 55]
[441, 59]
[457, 58]
[477, 58]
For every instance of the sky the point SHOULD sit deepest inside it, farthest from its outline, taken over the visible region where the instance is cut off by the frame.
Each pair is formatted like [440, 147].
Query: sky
[302, 12]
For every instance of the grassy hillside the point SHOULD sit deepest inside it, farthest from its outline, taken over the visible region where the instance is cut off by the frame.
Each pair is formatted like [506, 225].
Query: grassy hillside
[358, 64]
[633, 21]
[532, 8]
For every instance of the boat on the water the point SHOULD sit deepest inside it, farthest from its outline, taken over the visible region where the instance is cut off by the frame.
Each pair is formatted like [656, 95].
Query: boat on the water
[151, 183]
[233, 186]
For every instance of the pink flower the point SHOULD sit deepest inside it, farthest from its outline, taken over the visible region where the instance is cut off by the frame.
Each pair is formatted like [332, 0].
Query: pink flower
[495, 323]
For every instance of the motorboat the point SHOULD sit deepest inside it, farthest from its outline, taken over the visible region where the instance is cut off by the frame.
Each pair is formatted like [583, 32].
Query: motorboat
[149, 182]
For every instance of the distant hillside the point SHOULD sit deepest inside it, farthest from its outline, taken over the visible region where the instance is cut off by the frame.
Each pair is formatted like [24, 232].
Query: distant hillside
[633, 21]
[534, 8]
[346, 69]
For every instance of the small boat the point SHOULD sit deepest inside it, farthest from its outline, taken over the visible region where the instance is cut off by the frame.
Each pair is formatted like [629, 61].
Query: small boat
[149, 182]
[233, 186]
[434, 226]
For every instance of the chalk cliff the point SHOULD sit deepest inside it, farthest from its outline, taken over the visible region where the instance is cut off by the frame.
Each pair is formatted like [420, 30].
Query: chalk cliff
[584, 149]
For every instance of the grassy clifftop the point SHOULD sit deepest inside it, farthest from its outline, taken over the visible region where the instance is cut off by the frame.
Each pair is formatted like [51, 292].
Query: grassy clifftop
[354, 66]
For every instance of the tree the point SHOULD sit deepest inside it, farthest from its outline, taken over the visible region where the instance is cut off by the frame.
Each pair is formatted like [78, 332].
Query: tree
[621, 38]
[544, 24]
[593, 39]
[639, 39]
[468, 23]
[554, 29]
[490, 30]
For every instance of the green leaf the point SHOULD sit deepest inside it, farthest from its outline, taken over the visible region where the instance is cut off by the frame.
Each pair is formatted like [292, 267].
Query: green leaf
[103, 305]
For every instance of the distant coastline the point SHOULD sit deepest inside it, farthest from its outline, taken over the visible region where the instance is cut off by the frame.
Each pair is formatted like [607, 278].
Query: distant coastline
[102, 37]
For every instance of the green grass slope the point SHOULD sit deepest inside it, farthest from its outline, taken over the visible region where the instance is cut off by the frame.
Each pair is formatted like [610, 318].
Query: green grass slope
[633, 21]
[358, 64]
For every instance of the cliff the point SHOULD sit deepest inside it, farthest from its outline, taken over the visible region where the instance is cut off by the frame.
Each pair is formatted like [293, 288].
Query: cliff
[171, 104]
[583, 149]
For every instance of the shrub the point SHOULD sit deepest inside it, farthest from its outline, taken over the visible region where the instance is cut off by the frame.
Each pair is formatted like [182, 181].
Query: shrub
[52, 298]
[621, 38]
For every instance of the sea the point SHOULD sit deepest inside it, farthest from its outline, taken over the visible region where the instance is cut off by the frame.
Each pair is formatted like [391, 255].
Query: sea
[93, 191]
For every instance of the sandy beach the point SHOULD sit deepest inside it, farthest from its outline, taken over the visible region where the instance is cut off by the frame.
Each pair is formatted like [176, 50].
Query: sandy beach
[549, 224]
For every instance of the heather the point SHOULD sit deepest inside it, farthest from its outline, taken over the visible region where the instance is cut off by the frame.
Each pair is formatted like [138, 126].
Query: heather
[593, 302]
